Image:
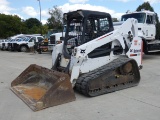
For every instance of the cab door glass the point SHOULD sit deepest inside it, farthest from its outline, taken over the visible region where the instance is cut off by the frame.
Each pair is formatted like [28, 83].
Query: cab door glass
[32, 39]
[150, 27]
[40, 39]
[149, 19]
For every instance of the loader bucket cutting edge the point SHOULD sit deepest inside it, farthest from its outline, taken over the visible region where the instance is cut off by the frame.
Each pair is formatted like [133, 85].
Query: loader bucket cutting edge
[40, 87]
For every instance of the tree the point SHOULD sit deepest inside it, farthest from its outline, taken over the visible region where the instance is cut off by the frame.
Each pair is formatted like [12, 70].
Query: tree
[9, 25]
[44, 29]
[31, 22]
[55, 21]
[33, 25]
[147, 6]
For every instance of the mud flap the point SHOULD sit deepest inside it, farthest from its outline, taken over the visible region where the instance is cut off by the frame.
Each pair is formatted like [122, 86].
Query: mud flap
[40, 87]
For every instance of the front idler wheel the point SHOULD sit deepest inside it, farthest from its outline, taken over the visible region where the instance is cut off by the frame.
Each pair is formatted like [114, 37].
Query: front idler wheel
[126, 69]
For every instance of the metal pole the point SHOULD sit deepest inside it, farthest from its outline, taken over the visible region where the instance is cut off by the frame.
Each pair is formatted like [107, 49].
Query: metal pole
[40, 14]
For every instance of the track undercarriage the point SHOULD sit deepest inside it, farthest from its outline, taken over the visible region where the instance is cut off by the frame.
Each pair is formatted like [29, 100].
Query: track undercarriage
[119, 74]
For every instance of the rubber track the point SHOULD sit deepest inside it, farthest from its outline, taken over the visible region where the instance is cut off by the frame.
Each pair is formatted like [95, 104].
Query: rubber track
[83, 81]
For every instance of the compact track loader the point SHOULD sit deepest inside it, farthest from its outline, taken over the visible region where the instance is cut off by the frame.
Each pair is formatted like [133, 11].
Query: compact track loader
[93, 58]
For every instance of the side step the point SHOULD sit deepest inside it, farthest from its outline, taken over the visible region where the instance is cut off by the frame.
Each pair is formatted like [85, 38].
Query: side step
[154, 51]
[154, 46]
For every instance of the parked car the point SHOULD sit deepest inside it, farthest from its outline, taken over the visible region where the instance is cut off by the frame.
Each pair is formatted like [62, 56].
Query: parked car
[2, 44]
[24, 43]
[1, 41]
[11, 44]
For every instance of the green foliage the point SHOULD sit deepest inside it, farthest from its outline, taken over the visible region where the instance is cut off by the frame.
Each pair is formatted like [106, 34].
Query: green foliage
[147, 6]
[12, 25]
[55, 21]
[9, 25]
[32, 22]
[33, 26]
[44, 29]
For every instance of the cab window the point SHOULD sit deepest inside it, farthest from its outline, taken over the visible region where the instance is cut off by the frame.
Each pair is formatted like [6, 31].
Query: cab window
[40, 39]
[149, 19]
[33, 39]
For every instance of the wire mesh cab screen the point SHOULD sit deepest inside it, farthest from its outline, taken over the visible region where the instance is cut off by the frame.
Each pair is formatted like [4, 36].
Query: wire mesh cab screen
[74, 33]
[81, 30]
[83, 26]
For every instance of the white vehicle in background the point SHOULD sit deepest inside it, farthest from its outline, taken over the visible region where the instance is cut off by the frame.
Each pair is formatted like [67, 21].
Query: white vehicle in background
[6, 44]
[11, 43]
[2, 44]
[26, 42]
[21, 42]
[1, 41]
[146, 29]
[55, 38]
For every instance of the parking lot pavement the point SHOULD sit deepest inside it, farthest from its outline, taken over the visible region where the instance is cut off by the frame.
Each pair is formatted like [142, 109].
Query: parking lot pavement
[138, 103]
